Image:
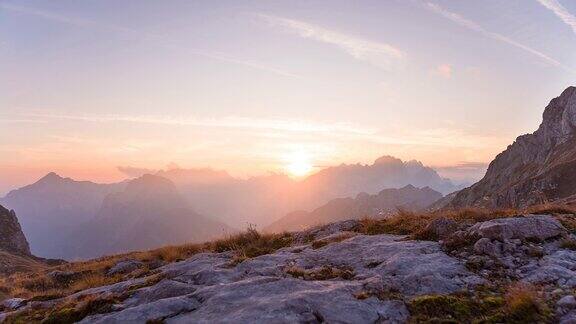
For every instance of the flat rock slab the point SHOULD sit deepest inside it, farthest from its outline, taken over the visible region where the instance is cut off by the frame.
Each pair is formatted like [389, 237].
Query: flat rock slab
[287, 300]
[208, 288]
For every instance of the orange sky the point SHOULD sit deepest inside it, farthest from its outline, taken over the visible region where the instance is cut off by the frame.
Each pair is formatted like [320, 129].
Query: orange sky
[250, 85]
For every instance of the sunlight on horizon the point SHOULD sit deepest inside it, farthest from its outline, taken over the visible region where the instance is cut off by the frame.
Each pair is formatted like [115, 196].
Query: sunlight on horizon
[299, 164]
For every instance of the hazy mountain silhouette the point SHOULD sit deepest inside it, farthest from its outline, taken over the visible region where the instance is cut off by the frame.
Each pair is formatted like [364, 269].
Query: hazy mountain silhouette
[53, 206]
[54, 209]
[148, 213]
[537, 168]
[264, 199]
[384, 203]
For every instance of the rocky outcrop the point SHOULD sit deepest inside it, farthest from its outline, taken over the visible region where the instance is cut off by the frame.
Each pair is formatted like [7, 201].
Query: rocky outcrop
[539, 227]
[12, 239]
[15, 253]
[537, 168]
[384, 203]
[524, 248]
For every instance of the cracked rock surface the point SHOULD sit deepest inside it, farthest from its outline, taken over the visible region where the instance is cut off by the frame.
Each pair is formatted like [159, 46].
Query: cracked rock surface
[207, 288]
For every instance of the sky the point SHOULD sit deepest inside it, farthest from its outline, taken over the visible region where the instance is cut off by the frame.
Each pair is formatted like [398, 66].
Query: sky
[89, 87]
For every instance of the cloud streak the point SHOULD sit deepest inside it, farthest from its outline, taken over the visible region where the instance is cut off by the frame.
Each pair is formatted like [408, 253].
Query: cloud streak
[377, 53]
[157, 39]
[227, 122]
[469, 24]
[561, 12]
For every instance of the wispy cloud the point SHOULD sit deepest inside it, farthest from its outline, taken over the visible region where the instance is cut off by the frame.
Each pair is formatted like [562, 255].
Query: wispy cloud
[226, 122]
[156, 39]
[444, 71]
[464, 22]
[561, 12]
[20, 120]
[380, 54]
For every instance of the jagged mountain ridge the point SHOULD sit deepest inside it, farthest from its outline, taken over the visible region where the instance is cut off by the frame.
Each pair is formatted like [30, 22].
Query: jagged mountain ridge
[537, 168]
[384, 203]
[264, 199]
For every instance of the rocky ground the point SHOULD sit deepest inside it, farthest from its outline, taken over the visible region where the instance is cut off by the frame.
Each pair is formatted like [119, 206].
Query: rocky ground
[338, 274]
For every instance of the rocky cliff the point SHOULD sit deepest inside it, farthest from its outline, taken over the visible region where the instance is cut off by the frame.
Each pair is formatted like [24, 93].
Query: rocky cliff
[12, 238]
[537, 168]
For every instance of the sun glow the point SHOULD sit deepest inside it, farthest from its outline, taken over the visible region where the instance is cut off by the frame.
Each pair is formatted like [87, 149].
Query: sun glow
[299, 164]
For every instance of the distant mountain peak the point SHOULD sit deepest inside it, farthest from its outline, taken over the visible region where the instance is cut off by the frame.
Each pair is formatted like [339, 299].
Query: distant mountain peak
[387, 159]
[151, 183]
[51, 177]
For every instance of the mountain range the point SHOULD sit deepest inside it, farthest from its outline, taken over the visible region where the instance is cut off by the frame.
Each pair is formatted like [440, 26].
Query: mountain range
[380, 205]
[264, 199]
[64, 218]
[51, 209]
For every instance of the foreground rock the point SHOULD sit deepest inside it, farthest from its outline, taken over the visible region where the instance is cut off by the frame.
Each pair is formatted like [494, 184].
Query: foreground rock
[335, 274]
[275, 288]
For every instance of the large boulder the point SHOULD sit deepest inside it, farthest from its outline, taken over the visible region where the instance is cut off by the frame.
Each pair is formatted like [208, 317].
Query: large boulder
[532, 227]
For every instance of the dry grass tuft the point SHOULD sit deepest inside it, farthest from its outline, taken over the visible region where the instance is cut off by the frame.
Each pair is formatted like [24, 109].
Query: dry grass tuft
[332, 239]
[324, 273]
[251, 243]
[568, 243]
[172, 253]
[525, 304]
[414, 224]
[67, 313]
[551, 209]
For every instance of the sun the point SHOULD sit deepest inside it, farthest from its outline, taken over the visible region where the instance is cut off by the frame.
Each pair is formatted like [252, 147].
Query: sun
[299, 164]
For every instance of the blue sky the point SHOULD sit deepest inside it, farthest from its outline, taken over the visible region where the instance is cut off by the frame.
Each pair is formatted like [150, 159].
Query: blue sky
[249, 86]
